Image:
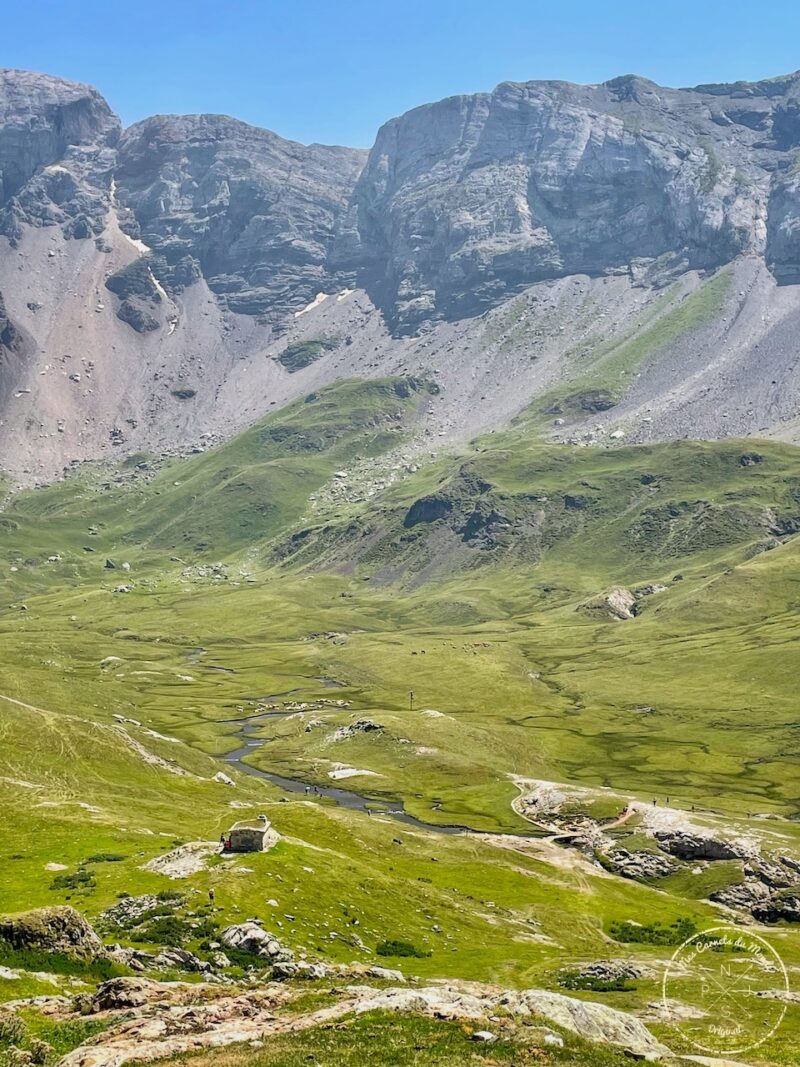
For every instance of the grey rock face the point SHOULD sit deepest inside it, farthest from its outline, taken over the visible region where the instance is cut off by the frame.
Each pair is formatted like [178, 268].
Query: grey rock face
[690, 846]
[461, 205]
[139, 295]
[783, 906]
[747, 895]
[640, 864]
[10, 337]
[465, 200]
[253, 213]
[56, 154]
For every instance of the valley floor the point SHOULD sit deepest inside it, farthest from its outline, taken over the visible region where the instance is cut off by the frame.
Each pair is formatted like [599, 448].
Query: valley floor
[488, 758]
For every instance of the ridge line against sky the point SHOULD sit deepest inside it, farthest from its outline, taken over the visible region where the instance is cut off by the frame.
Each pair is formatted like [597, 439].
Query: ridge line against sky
[333, 73]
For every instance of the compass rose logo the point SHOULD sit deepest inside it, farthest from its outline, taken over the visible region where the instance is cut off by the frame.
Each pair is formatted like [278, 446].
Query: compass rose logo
[725, 990]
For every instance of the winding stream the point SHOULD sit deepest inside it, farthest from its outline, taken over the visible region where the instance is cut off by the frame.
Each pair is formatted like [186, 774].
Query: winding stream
[249, 726]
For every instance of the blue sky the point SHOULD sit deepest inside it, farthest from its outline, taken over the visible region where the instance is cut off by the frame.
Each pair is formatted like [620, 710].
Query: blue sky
[332, 72]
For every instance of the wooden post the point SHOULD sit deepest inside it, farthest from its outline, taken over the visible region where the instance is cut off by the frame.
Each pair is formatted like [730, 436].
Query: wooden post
[411, 700]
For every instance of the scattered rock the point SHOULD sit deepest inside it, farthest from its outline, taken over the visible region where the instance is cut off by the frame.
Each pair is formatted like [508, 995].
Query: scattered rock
[301, 969]
[182, 960]
[128, 910]
[485, 1036]
[602, 971]
[360, 726]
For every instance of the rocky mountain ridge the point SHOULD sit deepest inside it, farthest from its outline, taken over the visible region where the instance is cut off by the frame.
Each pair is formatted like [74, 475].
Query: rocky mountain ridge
[164, 269]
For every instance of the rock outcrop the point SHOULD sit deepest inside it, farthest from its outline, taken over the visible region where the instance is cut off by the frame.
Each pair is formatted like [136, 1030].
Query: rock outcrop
[56, 154]
[54, 929]
[464, 200]
[693, 846]
[640, 864]
[10, 337]
[783, 906]
[168, 1023]
[250, 212]
[618, 603]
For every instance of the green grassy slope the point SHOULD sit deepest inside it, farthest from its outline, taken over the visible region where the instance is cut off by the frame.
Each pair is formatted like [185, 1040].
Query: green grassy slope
[465, 582]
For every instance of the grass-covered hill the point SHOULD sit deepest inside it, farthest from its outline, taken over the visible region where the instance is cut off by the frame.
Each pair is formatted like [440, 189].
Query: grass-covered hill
[621, 621]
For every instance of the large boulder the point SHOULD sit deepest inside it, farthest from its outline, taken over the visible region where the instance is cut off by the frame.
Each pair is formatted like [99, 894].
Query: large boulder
[122, 993]
[618, 604]
[56, 929]
[251, 937]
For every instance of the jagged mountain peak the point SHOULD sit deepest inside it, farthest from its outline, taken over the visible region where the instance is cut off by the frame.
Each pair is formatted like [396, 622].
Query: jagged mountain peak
[201, 269]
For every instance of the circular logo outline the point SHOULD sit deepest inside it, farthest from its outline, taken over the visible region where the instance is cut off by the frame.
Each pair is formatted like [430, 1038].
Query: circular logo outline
[738, 936]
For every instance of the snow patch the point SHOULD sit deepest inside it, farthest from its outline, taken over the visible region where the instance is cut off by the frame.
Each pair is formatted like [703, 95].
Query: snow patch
[340, 772]
[315, 303]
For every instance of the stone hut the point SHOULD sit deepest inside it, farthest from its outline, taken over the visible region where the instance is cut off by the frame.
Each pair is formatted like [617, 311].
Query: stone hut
[248, 836]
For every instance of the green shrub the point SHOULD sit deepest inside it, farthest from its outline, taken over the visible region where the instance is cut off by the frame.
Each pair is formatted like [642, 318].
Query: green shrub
[31, 959]
[106, 857]
[81, 879]
[400, 948]
[167, 895]
[576, 980]
[303, 353]
[165, 930]
[654, 933]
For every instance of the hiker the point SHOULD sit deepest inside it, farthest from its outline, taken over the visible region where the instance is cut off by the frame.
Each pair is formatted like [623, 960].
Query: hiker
[211, 896]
